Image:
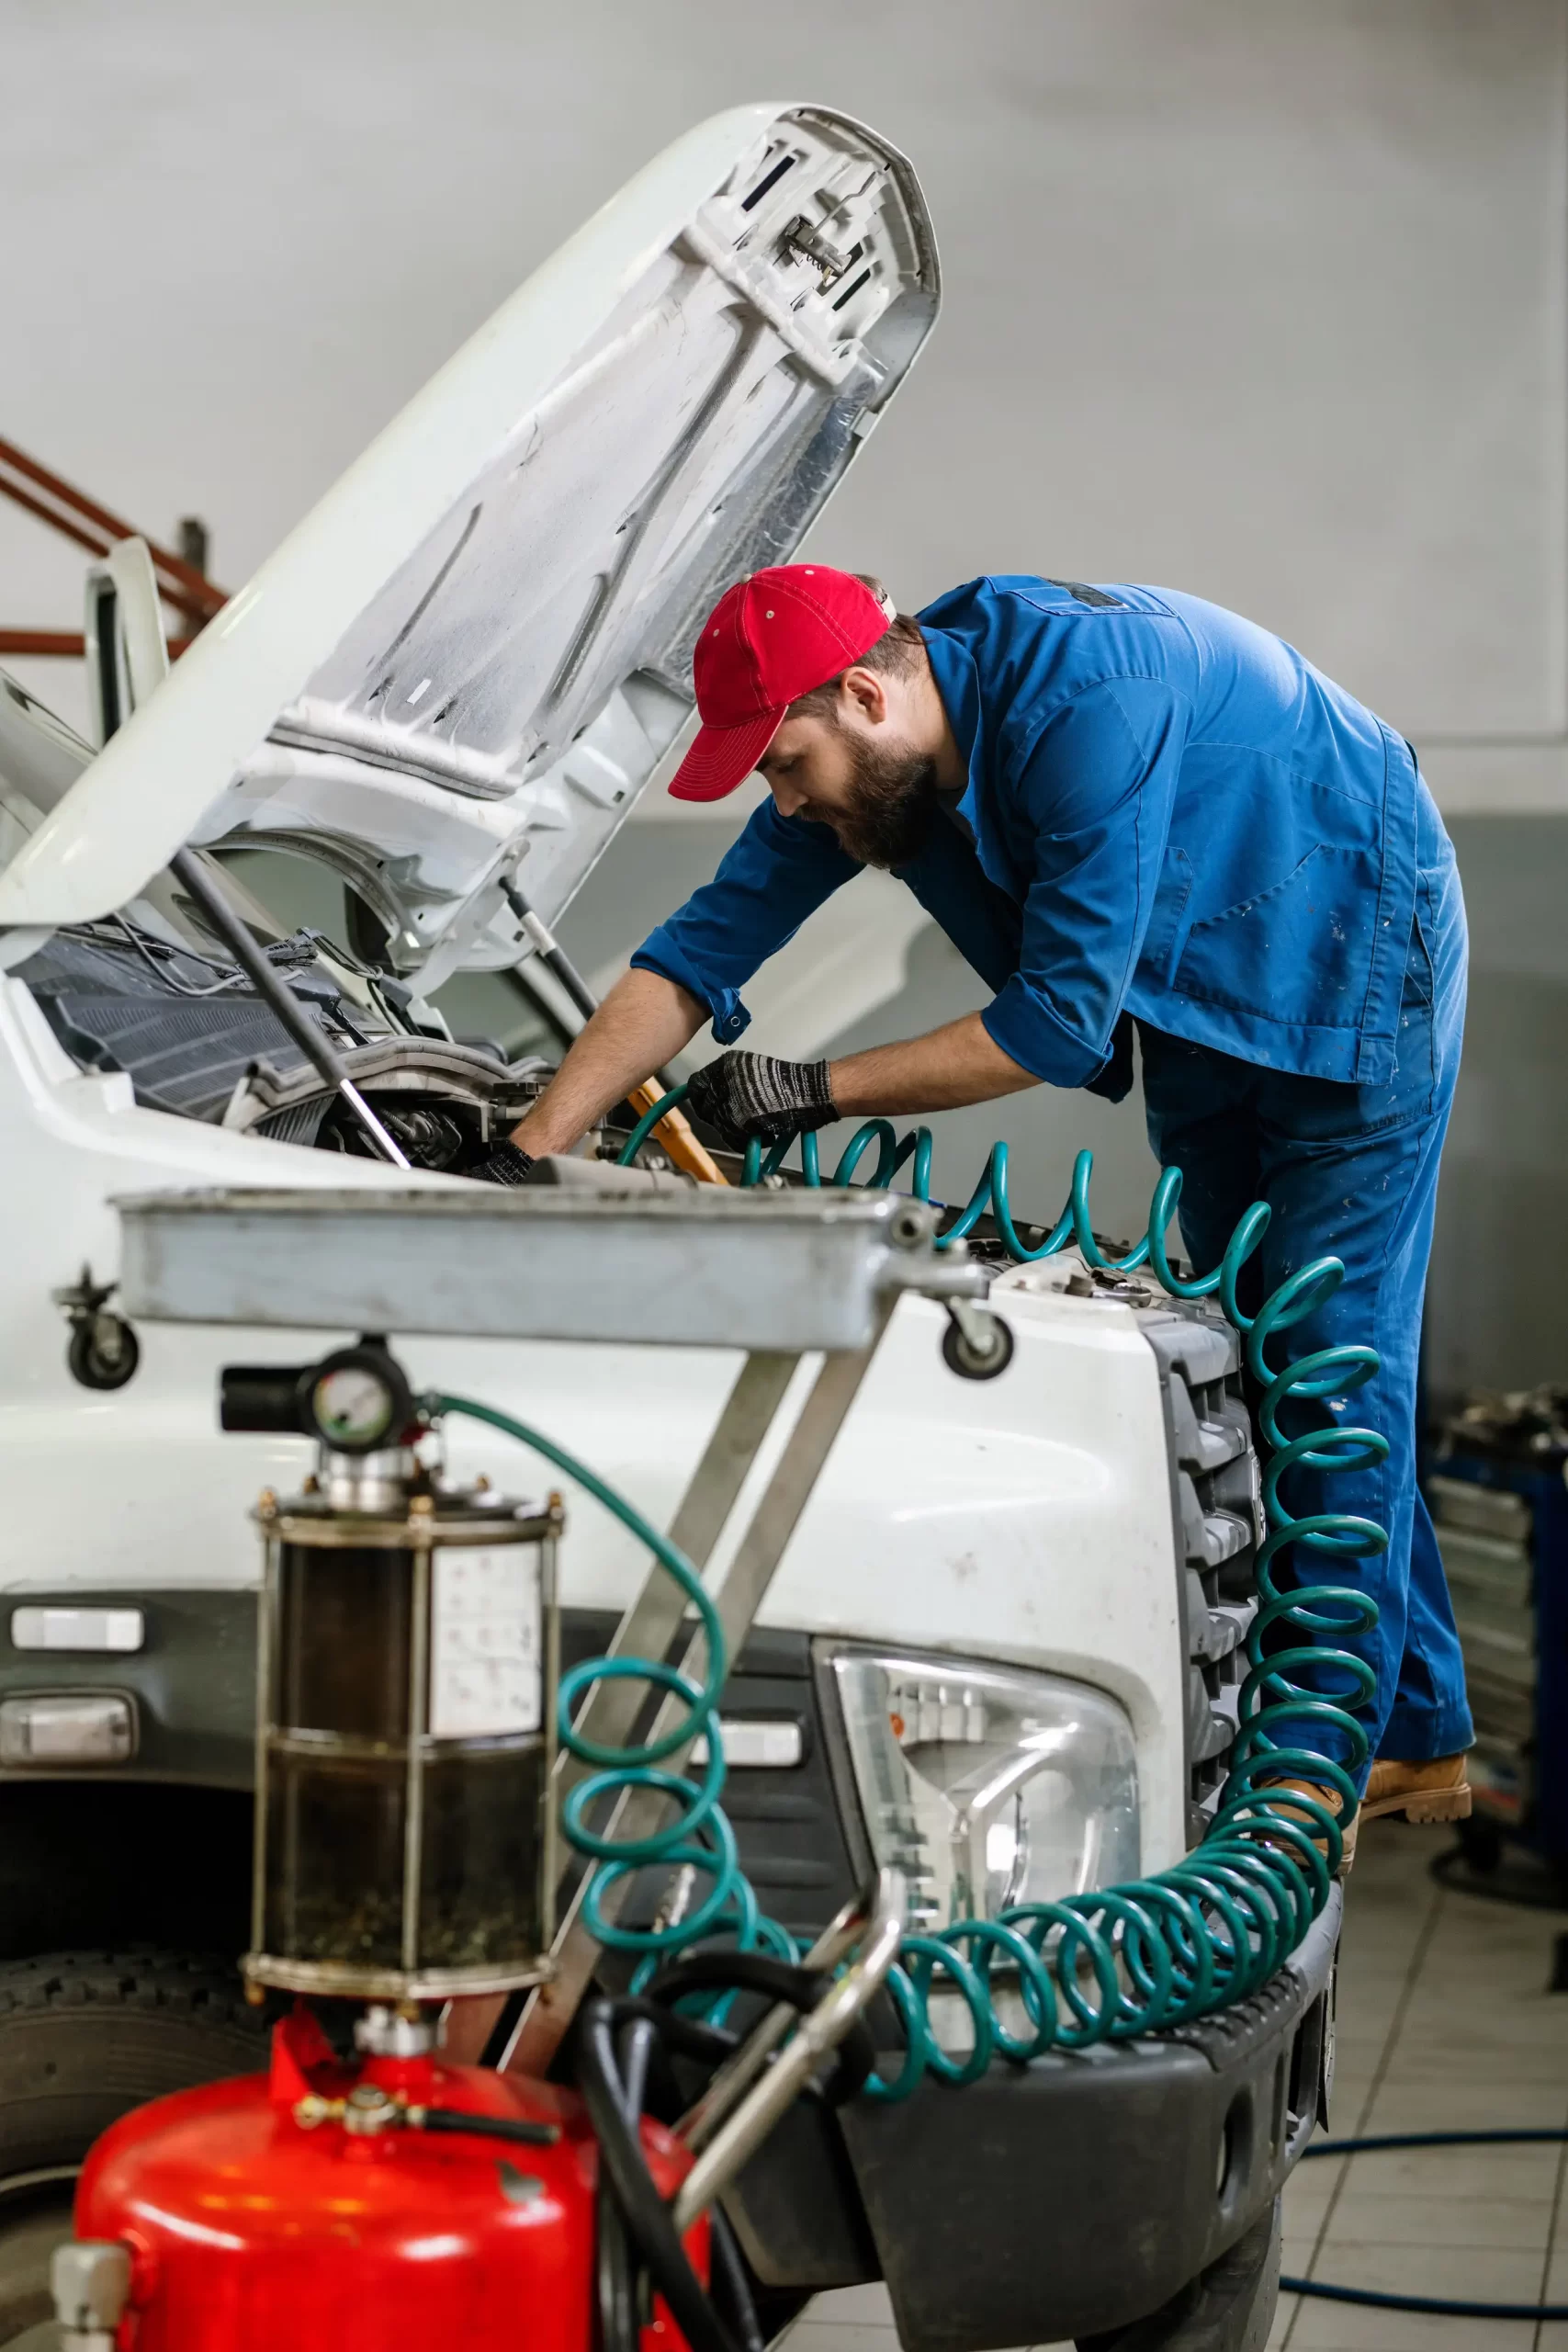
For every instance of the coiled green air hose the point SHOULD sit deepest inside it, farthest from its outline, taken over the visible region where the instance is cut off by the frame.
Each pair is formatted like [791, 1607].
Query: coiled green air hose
[700, 1834]
[1114, 1961]
[1224, 1919]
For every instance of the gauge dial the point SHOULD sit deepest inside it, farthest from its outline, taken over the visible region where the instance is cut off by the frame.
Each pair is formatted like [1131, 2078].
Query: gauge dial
[353, 1404]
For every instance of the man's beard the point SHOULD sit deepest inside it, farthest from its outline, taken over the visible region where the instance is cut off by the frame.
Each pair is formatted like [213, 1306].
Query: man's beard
[891, 802]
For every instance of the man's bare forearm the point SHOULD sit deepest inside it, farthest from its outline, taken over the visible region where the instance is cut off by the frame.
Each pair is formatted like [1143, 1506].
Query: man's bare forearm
[643, 1022]
[943, 1070]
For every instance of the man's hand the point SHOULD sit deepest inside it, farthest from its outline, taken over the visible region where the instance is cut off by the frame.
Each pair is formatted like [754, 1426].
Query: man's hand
[643, 1022]
[753, 1096]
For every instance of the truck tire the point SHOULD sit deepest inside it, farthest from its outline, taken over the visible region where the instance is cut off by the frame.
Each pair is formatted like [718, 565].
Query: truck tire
[1227, 2308]
[83, 2037]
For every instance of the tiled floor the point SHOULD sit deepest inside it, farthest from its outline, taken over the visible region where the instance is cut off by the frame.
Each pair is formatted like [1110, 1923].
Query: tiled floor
[1444, 2024]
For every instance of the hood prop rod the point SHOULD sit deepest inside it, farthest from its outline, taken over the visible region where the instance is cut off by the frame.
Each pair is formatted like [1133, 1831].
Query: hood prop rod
[557, 962]
[552, 954]
[323, 1057]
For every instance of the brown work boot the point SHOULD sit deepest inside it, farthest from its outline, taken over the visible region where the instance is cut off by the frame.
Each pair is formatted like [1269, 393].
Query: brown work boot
[1434, 1791]
[1278, 1792]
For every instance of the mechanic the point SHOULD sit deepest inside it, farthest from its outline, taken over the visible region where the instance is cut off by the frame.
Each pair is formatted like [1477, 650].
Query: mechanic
[1127, 808]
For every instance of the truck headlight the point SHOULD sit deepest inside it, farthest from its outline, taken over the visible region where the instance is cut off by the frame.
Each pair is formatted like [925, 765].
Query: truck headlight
[987, 1785]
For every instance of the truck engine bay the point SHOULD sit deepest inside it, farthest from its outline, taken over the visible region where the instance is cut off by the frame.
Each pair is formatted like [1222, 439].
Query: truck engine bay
[196, 1040]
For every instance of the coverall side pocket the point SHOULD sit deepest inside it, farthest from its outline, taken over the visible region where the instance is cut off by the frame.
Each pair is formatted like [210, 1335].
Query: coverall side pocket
[1419, 976]
[1297, 953]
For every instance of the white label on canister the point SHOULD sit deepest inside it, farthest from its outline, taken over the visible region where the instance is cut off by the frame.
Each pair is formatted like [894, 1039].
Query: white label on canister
[486, 1653]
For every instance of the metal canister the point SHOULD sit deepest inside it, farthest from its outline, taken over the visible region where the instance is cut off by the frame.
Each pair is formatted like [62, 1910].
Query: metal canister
[409, 1656]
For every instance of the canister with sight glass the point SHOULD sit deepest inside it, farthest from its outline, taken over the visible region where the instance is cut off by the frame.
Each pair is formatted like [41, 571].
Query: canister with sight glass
[407, 1661]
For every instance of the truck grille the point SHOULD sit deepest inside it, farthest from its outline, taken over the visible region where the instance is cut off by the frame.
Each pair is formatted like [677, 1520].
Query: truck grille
[1219, 1526]
[786, 1818]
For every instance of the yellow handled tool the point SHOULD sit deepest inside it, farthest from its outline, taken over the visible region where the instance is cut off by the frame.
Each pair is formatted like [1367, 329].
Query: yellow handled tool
[675, 1133]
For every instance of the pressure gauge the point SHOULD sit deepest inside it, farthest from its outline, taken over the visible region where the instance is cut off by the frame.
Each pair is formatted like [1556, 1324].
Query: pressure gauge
[352, 1407]
[356, 1401]
[359, 1401]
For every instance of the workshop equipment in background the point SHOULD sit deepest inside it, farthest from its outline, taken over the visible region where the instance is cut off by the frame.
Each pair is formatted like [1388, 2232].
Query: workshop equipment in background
[1498, 1499]
[182, 578]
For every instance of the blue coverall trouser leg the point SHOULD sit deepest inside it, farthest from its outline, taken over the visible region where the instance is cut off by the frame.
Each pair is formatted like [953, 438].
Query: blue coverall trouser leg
[1350, 1171]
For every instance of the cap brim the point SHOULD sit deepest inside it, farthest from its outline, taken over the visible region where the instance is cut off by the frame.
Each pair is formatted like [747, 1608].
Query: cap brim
[723, 757]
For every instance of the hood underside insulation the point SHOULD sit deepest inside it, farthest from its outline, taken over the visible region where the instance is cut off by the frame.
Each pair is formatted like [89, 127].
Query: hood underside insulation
[184, 1029]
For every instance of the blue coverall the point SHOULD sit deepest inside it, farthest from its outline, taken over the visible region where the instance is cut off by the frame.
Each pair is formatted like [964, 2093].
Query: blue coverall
[1173, 821]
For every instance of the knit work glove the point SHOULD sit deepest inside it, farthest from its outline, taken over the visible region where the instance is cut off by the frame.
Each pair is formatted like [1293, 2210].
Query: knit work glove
[506, 1165]
[754, 1095]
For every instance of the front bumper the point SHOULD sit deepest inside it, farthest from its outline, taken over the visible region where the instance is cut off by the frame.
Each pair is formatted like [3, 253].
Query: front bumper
[1061, 2199]
[1055, 2201]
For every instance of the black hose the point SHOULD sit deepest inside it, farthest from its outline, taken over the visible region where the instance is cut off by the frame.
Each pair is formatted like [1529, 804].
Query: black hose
[638, 2041]
[551, 954]
[491, 2127]
[1433, 2306]
[663, 2094]
[622, 2051]
[1376, 2141]
[748, 1972]
[687, 2037]
[616, 2276]
[645, 2216]
[558, 964]
[756, 1971]
[732, 2286]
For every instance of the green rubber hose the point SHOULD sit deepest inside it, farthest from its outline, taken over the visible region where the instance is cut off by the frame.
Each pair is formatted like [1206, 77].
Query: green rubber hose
[1113, 1962]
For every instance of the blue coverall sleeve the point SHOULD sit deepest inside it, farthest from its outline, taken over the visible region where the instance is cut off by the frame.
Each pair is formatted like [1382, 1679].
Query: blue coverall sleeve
[779, 871]
[1097, 790]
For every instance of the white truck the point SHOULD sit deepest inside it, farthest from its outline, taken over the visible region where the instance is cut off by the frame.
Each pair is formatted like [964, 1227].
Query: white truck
[1002, 1648]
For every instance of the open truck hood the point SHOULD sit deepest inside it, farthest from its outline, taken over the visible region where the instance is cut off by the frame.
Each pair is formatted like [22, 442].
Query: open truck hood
[467, 660]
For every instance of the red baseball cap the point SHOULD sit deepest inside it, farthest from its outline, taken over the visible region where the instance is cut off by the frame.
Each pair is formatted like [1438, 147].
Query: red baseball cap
[768, 640]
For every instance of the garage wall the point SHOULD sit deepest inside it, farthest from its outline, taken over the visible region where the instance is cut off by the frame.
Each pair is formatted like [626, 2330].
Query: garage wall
[1497, 1307]
[1260, 299]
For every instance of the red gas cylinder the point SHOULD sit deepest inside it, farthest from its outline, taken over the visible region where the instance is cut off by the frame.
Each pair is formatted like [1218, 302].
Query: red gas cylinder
[315, 2210]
